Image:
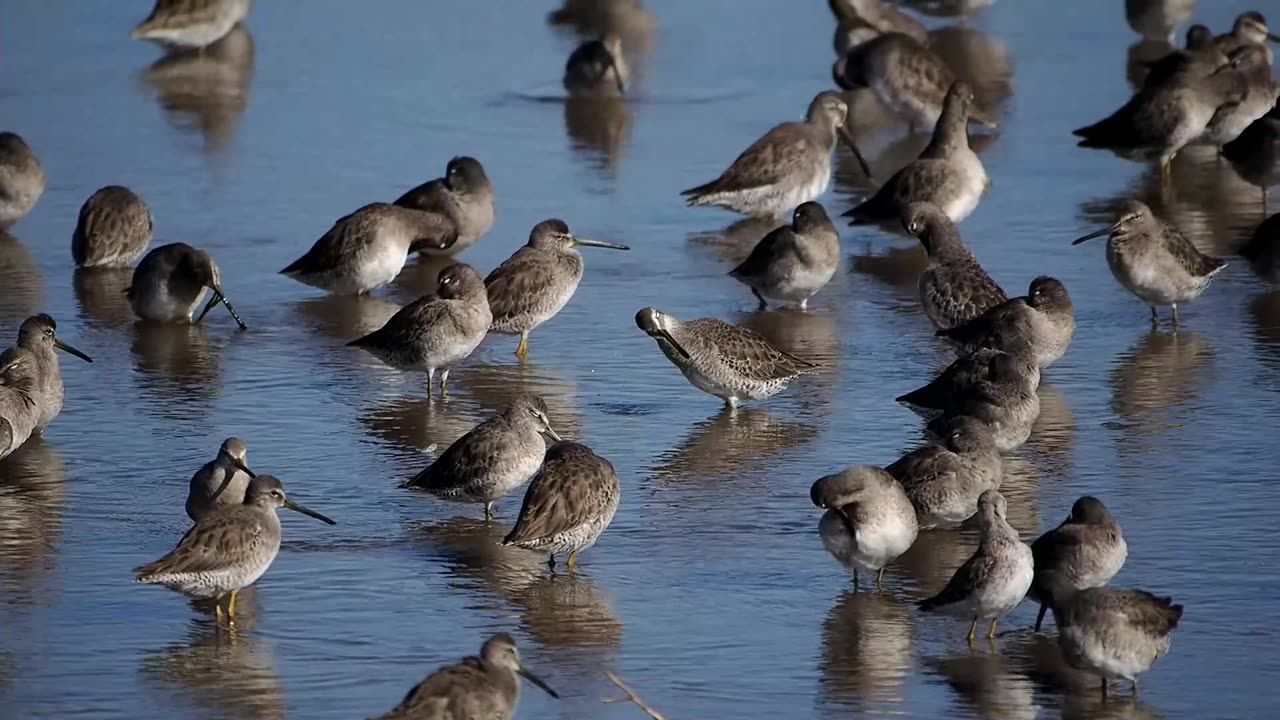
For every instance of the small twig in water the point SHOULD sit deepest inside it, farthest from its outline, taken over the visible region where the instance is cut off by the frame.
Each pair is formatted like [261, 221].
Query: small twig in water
[631, 697]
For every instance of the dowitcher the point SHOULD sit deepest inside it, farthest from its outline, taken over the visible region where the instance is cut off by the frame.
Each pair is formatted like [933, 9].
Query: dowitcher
[878, 16]
[597, 68]
[1007, 402]
[1153, 260]
[906, 77]
[436, 331]
[570, 501]
[1199, 57]
[38, 335]
[19, 399]
[532, 285]
[1263, 250]
[1261, 93]
[476, 687]
[368, 248]
[968, 372]
[869, 521]
[171, 282]
[1163, 117]
[789, 165]
[221, 482]
[1115, 633]
[733, 363]
[1085, 551]
[793, 262]
[114, 229]
[944, 482]
[227, 549]
[1249, 28]
[995, 578]
[463, 198]
[21, 178]
[494, 458]
[190, 23]
[947, 173]
[1044, 318]
[954, 288]
[1255, 154]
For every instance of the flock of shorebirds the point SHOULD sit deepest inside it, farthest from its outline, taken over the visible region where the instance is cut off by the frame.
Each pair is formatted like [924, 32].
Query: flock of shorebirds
[1218, 90]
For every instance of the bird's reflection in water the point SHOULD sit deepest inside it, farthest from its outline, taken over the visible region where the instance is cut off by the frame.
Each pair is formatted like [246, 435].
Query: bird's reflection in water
[492, 386]
[21, 288]
[573, 620]
[414, 424]
[470, 550]
[1020, 485]
[989, 684]
[1264, 317]
[812, 334]
[1162, 372]
[896, 267]
[978, 58]
[598, 129]
[205, 91]
[948, 8]
[1054, 432]
[1262, 250]
[32, 496]
[1038, 657]
[628, 19]
[420, 277]
[866, 649]
[734, 243]
[228, 673]
[175, 362]
[730, 444]
[345, 318]
[100, 295]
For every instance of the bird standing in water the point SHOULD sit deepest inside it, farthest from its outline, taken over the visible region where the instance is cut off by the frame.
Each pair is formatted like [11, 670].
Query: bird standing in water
[38, 335]
[869, 520]
[221, 482]
[597, 68]
[793, 262]
[22, 179]
[171, 281]
[113, 230]
[463, 200]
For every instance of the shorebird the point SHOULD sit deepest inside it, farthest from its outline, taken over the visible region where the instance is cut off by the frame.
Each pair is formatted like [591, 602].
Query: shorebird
[906, 77]
[1153, 260]
[532, 285]
[597, 68]
[227, 549]
[38, 335]
[1163, 117]
[879, 17]
[114, 229]
[1249, 28]
[569, 503]
[190, 23]
[793, 262]
[1085, 551]
[730, 362]
[1199, 57]
[1263, 250]
[435, 331]
[171, 282]
[869, 521]
[966, 374]
[21, 178]
[463, 198]
[19, 399]
[1043, 318]
[476, 687]
[1255, 154]
[1260, 95]
[221, 482]
[789, 165]
[1006, 402]
[995, 578]
[954, 288]
[494, 458]
[368, 248]
[944, 482]
[1115, 633]
[947, 174]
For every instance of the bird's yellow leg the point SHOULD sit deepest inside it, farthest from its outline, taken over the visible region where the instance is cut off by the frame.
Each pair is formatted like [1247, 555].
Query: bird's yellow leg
[523, 350]
[992, 633]
[231, 605]
[972, 625]
[573, 560]
[217, 610]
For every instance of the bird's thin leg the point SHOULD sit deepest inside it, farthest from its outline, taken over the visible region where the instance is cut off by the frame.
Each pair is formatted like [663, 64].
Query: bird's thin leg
[880, 580]
[804, 304]
[1166, 171]
[991, 634]
[217, 610]
[573, 560]
[1104, 689]
[972, 626]
[1040, 617]
[551, 562]
[763, 304]
[855, 579]
[522, 351]
[431, 381]
[488, 511]
[1135, 688]
[1155, 319]
[1175, 315]
[444, 383]
[231, 607]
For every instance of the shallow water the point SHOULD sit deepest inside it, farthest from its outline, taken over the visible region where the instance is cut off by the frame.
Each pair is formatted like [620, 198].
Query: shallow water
[711, 593]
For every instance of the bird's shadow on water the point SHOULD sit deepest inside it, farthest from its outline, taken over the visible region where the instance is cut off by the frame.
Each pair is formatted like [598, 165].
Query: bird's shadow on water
[867, 651]
[32, 497]
[730, 444]
[21, 287]
[1038, 657]
[205, 92]
[228, 672]
[100, 295]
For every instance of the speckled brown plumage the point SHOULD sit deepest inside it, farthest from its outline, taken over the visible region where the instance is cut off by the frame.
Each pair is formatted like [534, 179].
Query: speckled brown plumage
[1085, 551]
[569, 503]
[113, 230]
[954, 288]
